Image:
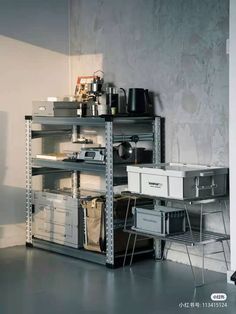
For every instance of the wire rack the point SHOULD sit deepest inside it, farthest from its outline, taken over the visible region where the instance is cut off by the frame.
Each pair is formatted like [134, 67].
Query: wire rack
[188, 238]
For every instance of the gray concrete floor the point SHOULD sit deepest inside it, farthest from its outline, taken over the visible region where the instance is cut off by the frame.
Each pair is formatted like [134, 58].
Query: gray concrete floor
[34, 281]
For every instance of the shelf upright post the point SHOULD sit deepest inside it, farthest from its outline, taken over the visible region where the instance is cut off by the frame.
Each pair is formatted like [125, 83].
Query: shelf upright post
[109, 193]
[157, 159]
[74, 182]
[157, 140]
[74, 137]
[28, 186]
[74, 176]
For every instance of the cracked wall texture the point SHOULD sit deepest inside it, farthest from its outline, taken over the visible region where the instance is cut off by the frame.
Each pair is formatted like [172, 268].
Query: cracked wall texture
[176, 49]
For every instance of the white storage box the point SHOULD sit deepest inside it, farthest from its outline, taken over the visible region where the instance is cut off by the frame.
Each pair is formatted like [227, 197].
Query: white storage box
[178, 181]
[57, 219]
[55, 108]
[161, 221]
[56, 208]
[57, 233]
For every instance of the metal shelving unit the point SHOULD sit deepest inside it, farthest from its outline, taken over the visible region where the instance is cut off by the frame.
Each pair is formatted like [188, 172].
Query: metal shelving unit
[36, 166]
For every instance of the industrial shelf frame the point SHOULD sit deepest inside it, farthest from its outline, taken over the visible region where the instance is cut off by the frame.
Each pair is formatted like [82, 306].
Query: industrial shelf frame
[35, 166]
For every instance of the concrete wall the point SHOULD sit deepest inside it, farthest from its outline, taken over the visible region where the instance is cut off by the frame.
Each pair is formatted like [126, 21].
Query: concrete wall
[34, 64]
[177, 49]
[232, 131]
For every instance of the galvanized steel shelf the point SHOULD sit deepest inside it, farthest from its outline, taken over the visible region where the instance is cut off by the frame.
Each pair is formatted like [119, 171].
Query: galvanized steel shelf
[99, 258]
[46, 170]
[68, 165]
[93, 121]
[47, 133]
[96, 121]
[66, 126]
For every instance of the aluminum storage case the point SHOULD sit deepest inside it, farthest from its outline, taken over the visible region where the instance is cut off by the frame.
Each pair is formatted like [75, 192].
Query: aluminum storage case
[178, 181]
[58, 218]
[55, 108]
[161, 221]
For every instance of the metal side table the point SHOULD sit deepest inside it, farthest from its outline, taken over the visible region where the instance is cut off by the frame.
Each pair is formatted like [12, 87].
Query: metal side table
[192, 237]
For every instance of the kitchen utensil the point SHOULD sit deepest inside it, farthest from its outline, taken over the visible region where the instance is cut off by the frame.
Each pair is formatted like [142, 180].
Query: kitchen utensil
[116, 98]
[96, 86]
[138, 100]
[81, 111]
[125, 150]
[91, 108]
[122, 101]
[140, 156]
[113, 110]
[102, 109]
[112, 99]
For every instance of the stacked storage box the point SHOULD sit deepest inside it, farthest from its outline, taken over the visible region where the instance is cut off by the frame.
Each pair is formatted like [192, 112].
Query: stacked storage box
[159, 220]
[58, 219]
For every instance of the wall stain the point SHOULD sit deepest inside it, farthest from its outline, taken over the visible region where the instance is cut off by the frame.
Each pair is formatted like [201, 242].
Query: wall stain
[189, 102]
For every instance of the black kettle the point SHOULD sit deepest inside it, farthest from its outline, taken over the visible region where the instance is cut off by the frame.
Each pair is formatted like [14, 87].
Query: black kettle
[138, 100]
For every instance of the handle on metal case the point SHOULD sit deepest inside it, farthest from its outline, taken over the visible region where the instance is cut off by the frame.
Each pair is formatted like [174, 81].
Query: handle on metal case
[206, 174]
[207, 187]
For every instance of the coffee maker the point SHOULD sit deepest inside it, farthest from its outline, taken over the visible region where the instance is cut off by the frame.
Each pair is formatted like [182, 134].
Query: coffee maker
[87, 93]
[115, 100]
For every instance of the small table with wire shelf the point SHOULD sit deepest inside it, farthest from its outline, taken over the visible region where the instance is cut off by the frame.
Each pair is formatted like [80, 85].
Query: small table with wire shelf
[192, 237]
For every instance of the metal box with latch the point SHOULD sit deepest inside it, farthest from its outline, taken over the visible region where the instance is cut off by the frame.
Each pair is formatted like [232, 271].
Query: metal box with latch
[55, 108]
[178, 181]
[161, 220]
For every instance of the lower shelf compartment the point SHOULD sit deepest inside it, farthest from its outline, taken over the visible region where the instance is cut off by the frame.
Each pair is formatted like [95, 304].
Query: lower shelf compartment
[95, 257]
[82, 254]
